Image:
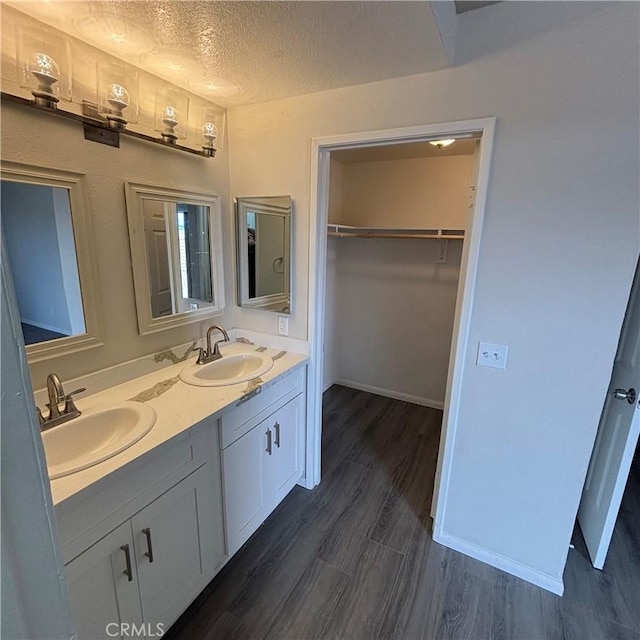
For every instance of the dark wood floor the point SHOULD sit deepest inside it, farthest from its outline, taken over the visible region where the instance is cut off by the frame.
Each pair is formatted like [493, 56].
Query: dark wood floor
[354, 557]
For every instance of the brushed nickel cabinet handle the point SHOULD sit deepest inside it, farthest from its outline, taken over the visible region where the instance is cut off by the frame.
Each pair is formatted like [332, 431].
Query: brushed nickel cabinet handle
[127, 555]
[149, 552]
[269, 441]
[276, 426]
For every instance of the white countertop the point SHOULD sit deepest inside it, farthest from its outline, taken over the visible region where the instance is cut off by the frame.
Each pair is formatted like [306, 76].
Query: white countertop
[178, 408]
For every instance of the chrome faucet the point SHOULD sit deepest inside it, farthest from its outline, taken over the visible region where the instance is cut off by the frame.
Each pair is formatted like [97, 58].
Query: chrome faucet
[57, 395]
[209, 355]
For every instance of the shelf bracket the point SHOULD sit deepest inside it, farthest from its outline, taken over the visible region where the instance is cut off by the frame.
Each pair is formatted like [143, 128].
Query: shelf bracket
[443, 248]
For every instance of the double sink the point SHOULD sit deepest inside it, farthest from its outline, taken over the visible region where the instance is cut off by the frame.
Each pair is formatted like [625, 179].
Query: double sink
[102, 432]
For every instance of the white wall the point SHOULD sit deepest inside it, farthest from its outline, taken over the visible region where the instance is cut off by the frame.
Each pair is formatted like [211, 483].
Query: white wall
[426, 193]
[29, 221]
[558, 248]
[394, 316]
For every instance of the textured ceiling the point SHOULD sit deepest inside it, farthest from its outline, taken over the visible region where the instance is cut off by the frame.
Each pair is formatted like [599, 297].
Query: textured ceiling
[245, 52]
[404, 151]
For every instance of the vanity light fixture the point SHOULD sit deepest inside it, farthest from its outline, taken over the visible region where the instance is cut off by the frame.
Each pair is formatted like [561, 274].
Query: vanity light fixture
[118, 97]
[46, 71]
[209, 133]
[44, 66]
[172, 113]
[117, 94]
[170, 121]
[441, 144]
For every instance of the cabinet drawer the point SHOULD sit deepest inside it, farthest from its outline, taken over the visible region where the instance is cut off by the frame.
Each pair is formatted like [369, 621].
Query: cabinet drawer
[246, 414]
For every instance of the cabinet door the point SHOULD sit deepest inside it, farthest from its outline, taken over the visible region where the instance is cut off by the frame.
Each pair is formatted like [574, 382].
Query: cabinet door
[175, 548]
[104, 599]
[242, 465]
[284, 468]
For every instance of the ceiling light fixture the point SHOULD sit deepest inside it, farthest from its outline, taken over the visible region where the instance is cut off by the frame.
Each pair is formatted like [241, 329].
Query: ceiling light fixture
[441, 144]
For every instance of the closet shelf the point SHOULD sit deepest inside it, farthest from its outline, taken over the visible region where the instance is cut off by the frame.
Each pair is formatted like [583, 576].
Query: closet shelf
[345, 231]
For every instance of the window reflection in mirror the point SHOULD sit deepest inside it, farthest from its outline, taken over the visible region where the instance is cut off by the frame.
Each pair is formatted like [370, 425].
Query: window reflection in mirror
[38, 229]
[178, 245]
[263, 232]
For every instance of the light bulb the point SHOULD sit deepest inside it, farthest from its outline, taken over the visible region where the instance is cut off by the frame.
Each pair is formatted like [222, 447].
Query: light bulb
[118, 97]
[209, 133]
[170, 121]
[170, 116]
[46, 71]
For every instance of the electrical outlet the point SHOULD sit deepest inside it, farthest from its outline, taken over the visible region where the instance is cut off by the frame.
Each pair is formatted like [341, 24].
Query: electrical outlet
[283, 325]
[492, 355]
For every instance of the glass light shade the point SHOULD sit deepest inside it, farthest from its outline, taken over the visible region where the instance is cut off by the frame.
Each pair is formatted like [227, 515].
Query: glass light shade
[172, 114]
[209, 134]
[44, 65]
[117, 93]
[442, 143]
[207, 128]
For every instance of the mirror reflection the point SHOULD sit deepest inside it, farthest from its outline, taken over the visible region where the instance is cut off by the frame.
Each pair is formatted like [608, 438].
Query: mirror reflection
[38, 230]
[178, 245]
[263, 232]
[176, 254]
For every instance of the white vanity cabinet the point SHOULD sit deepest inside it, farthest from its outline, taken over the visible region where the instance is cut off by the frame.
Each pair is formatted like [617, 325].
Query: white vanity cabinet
[152, 566]
[142, 542]
[262, 457]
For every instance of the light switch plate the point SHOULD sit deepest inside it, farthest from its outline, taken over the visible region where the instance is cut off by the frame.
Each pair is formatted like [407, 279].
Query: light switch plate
[492, 355]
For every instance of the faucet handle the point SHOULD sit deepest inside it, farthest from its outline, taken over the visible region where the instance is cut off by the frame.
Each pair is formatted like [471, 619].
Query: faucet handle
[69, 405]
[40, 416]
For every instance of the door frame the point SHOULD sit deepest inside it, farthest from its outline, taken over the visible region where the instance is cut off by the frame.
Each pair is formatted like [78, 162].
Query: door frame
[321, 149]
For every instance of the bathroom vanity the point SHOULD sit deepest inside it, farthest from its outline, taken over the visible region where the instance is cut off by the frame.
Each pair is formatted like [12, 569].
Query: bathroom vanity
[143, 532]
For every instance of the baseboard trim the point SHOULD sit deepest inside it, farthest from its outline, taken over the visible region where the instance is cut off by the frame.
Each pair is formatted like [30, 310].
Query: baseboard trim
[387, 393]
[540, 579]
[327, 385]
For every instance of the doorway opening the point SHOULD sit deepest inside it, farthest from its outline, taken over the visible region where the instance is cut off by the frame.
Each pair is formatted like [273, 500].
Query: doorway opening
[374, 142]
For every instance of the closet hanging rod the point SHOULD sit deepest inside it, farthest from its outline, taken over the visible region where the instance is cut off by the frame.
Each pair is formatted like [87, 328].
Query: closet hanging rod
[345, 231]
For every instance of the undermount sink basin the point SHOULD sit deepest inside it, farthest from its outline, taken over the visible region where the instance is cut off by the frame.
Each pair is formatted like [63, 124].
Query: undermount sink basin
[230, 369]
[96, 435]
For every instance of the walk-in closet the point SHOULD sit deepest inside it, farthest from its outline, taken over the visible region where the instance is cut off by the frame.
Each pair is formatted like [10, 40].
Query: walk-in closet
[397, 219]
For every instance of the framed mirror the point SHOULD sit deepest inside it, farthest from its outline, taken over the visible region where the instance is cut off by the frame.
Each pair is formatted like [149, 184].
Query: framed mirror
[264, 252]
[176, 251]
[49, 241]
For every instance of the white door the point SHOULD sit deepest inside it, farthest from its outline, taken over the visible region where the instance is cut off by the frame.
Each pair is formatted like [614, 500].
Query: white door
[173, 539]
[155, 233]
[616, 440]
[243, 463]
[284, 468]
[103, 587]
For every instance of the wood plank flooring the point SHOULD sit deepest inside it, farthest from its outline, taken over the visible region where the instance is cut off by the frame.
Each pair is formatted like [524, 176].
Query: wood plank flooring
[354, 557]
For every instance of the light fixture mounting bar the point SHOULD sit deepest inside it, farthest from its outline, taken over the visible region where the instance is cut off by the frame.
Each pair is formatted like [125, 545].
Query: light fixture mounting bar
[98, 130]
